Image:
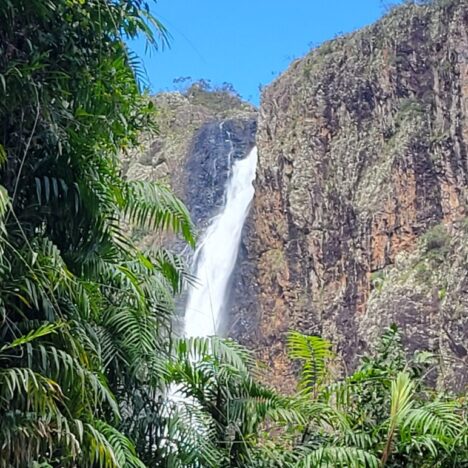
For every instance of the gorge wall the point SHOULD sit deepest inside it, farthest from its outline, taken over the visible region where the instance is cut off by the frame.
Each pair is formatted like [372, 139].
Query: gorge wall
[200, 132]
[360, 214]
[359, 218]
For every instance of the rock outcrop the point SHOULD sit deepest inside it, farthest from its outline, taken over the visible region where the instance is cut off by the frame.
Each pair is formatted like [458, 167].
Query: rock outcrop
[360, 211]
[200, 132]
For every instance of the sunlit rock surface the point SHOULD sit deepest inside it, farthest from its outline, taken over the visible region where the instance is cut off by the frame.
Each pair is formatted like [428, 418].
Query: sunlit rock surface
[200, 134]
[360, 210]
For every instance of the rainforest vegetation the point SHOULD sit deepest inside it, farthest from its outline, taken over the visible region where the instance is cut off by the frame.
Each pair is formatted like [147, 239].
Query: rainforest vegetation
[91, 373]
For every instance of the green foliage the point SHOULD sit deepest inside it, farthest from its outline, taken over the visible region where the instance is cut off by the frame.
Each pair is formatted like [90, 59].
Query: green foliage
[381, 415]
[155, 207]
[354, 422]
[90, 373]
[423, 272]
[218, 98]
[436, 241]
[338, 456]
[385, 415]
[442, 293]
[325, 49]
[377, 279]
[314, 353]
[85, 316]
[464, 224]
[410, 108]
[214, 409]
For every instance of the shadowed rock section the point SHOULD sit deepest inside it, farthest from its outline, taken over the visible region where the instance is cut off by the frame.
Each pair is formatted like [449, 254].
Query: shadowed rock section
[200, 134]
[214, 149]
[360, 209]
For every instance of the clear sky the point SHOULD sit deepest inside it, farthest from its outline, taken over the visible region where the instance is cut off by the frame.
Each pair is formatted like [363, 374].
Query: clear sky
[246, 42]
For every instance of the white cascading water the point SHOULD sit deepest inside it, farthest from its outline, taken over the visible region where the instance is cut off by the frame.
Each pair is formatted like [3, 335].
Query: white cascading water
[216, 256]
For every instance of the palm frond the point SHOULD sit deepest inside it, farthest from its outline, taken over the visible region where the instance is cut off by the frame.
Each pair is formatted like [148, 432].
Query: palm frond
[196, 349]
[4, 201]
[119, 450]
[43, 330]
[29, 390]
[189, 438]
[28, 436]
[401, 403]
[351, 457]
[438, 419]
[314, 352]
[148, 204]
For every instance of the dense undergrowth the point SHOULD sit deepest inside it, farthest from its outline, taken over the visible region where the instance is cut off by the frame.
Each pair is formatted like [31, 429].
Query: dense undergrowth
[90, 371]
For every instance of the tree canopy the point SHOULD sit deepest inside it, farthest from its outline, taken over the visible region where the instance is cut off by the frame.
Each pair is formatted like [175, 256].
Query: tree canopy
[84, 314]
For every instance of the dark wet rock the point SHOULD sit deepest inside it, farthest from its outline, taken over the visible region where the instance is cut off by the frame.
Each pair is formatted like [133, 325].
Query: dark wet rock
[214, 148]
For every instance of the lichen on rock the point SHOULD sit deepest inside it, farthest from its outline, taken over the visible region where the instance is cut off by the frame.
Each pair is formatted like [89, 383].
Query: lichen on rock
[362, 149]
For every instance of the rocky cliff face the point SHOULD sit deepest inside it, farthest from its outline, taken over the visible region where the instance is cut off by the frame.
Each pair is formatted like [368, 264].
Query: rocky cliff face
[360, 212]
[200, 133]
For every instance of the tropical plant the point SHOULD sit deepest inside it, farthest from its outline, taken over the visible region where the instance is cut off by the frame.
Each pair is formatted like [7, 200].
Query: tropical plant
[90, 372]
[85, 316]
[384, 414]
[215, 412]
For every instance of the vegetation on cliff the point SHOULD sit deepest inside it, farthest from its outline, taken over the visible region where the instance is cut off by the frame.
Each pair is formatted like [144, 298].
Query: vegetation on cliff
[384, 414]
[363, 146]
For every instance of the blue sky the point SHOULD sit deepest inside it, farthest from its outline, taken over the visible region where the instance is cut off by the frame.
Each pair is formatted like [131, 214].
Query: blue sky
[246, 42]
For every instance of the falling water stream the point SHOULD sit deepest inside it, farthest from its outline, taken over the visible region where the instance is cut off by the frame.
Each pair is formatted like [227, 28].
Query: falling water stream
[216, 256]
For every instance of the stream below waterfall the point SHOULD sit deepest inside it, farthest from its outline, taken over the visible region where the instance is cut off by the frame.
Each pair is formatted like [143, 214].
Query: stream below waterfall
[216, 256]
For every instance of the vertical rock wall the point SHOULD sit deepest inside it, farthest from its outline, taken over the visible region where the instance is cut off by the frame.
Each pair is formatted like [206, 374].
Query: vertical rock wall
[199, 134]
[360, 212]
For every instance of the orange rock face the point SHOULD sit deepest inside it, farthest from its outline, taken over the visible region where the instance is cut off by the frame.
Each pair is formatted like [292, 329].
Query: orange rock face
[363, 148]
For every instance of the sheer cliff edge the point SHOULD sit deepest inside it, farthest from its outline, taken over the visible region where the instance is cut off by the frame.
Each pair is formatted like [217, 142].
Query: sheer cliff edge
[359, 218]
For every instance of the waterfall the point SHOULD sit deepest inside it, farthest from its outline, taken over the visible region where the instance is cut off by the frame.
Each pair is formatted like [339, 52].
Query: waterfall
[216, 256]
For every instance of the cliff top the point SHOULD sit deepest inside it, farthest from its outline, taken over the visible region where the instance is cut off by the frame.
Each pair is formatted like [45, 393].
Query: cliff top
[389, 31]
